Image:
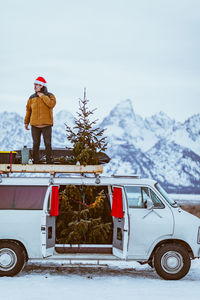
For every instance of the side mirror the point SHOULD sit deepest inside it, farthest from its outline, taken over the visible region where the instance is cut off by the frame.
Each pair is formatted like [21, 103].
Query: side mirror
[149, 203]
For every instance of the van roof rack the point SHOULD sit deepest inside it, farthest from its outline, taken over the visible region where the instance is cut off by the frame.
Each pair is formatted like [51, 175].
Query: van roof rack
[52, 169]
[126, 176]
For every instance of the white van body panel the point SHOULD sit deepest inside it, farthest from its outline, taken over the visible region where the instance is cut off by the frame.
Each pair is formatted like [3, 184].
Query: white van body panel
[186, 229]
[146, 230]
[148, 227]
[23, 226]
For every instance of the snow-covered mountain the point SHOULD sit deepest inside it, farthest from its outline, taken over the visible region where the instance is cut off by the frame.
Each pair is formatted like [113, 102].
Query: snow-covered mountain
[14, 136]
[12, 132]
[188, 134]
[124, 126]
[157, 146]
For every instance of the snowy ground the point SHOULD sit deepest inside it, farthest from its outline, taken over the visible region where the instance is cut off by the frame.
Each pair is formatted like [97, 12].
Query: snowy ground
[193, 199]
[128, 281]
[186, 197]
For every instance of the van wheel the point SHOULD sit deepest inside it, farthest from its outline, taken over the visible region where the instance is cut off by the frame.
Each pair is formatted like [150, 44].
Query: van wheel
[12, 258]
[172, 262]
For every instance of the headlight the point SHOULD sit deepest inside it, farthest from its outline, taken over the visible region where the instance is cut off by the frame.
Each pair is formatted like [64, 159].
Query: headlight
[198, 236]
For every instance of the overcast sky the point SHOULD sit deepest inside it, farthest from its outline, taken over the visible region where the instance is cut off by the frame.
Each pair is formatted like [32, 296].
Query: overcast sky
[145, 50]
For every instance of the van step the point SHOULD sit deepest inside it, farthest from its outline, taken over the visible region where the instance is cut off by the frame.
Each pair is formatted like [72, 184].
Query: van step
[84, 248]
[83, 258]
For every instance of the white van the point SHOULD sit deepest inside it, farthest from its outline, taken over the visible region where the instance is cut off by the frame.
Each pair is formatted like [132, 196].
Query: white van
[151, 229]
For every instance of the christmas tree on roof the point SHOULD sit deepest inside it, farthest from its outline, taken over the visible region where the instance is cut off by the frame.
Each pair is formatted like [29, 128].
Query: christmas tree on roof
[84, 210]
[87, 140]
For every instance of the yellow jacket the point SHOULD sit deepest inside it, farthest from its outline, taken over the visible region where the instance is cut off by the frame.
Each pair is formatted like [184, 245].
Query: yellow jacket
[39, 110]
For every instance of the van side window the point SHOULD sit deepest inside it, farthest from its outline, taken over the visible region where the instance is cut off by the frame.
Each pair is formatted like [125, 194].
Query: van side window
[136, 196]
[22, 197]
[156, 201]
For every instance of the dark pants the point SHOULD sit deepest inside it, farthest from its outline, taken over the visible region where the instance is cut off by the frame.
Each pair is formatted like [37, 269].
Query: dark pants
[36, 134]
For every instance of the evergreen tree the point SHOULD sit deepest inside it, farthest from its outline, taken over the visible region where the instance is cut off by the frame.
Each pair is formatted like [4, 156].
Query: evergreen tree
[88, 224]
[83, 216]
[87, 140]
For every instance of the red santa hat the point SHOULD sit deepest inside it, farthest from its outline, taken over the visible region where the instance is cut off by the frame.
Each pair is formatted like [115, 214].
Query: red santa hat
[41, 80]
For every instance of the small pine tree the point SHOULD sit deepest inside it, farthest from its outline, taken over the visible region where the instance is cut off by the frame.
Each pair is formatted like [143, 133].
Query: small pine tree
[82, 216]
[85, 225]
[86, 139]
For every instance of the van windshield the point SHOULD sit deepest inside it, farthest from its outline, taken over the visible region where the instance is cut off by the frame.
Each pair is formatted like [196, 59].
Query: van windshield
[165, 195]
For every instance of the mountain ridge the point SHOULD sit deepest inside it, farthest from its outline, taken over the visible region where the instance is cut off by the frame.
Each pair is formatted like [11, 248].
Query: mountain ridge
[157, 146]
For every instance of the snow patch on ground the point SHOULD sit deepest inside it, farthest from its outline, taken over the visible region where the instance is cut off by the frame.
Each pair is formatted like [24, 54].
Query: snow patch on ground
[185, 197]
[127, 281]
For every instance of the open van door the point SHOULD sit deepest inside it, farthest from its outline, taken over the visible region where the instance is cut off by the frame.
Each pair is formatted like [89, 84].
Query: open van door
[48, 228]
[120, 216]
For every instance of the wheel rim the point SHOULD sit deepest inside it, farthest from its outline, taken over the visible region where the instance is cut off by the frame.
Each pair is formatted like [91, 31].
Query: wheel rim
[172, 262]
[8, 259]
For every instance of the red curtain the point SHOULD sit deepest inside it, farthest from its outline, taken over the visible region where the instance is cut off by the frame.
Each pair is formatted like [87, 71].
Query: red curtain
[54, 201]
[117, 203]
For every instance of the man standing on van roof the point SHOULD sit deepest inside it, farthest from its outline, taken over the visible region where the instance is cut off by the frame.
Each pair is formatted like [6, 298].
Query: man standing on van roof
[39, 112]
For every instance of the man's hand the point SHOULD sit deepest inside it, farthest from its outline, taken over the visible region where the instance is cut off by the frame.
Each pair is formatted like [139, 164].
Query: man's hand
[40, 94]
[26, 127]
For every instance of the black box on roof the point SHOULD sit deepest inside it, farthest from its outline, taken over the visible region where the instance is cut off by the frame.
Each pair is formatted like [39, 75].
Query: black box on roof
[7, 157]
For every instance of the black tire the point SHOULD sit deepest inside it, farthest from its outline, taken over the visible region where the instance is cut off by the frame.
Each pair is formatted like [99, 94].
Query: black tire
[12, 258]
[172, 262]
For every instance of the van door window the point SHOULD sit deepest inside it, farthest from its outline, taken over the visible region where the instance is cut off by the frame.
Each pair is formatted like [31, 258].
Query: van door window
[157, 203]
[137, 197]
